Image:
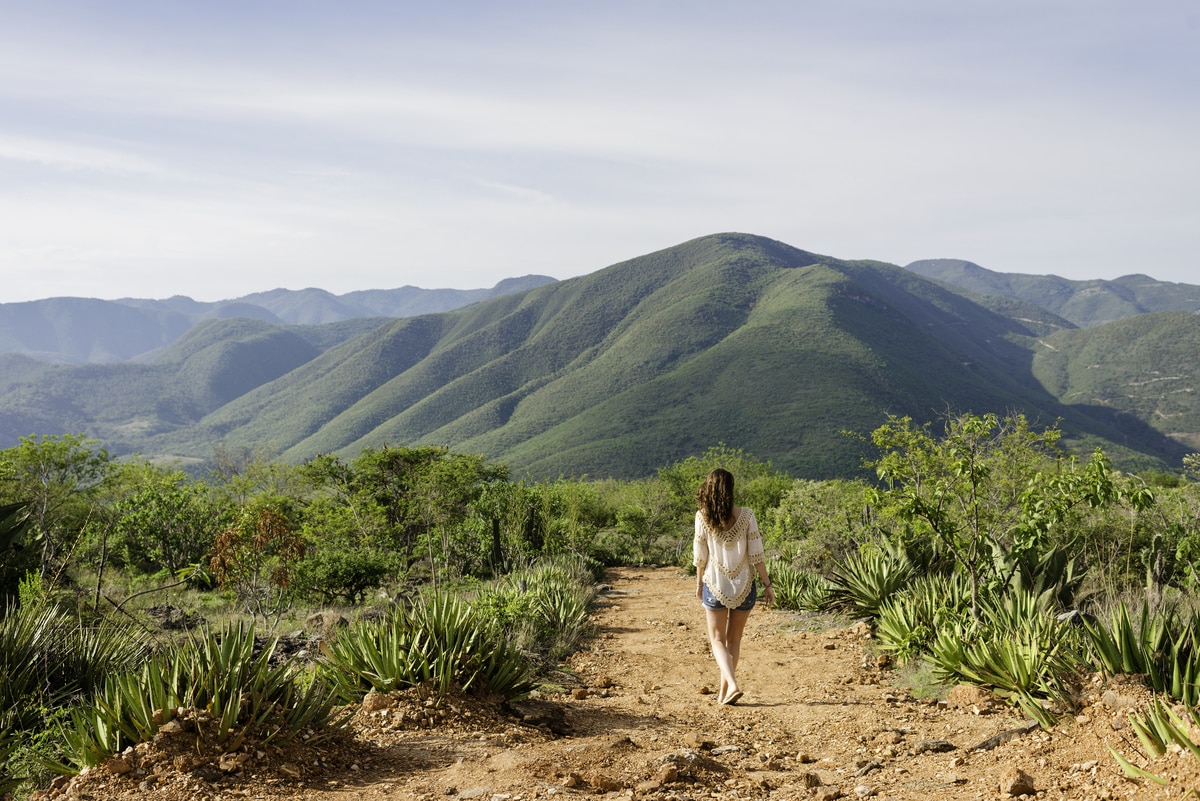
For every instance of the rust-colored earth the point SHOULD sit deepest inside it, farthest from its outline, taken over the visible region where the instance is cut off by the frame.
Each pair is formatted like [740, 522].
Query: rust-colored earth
[635, 717]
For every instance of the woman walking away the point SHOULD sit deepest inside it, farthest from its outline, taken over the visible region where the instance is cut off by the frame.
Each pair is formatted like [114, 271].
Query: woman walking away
[727, 551]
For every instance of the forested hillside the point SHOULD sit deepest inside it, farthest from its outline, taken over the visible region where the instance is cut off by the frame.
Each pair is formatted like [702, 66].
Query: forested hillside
[69, 330]
[1084, 303]
[727, 338]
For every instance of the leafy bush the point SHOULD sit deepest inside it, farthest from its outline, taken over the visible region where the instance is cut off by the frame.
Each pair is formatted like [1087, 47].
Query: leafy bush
[349, 573]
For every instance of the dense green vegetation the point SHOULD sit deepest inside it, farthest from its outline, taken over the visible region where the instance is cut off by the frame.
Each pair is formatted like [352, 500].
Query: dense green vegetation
[979, 548]
[725, 338]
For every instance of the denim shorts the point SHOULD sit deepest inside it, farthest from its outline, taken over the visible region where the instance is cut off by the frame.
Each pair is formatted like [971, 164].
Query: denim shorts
[710, 601]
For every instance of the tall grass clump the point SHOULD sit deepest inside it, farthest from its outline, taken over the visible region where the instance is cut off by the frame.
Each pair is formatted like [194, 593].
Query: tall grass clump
[9, 780]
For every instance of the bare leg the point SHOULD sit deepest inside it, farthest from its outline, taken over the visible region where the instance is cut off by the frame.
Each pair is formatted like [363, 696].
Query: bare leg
[734, 629]
[719, 623]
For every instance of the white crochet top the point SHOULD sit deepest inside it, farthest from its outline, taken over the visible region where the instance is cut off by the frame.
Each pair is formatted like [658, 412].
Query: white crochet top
[727, 558]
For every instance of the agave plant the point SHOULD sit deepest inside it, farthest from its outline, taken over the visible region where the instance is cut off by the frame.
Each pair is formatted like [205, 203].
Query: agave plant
[544, 608]
[799, 590]
[1159, 727]
[1161, 646]
[866, 579]
[224, 673]
[1018, 648]
[48, 657]
[910, 620]
[441, 642]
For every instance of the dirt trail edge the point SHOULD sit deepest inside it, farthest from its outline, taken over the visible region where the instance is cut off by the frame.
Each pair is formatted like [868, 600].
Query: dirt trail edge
[637, 718]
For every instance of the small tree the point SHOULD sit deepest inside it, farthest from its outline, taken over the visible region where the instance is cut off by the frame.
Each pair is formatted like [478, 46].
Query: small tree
[254, 558]
[58, 476]
[989, 490]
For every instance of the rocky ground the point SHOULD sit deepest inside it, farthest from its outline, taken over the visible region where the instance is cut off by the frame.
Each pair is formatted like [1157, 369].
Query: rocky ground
[634, 716]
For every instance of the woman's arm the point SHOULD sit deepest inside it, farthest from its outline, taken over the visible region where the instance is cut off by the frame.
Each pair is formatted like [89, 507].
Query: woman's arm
[768, 591]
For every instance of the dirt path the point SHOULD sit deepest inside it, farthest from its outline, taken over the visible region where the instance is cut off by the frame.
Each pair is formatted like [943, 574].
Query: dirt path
[637, 718]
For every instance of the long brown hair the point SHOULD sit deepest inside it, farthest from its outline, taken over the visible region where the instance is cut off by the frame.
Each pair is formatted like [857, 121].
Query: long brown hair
[714, 499]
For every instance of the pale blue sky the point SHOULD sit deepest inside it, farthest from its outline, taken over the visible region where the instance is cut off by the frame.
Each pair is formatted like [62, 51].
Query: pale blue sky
[214, 148]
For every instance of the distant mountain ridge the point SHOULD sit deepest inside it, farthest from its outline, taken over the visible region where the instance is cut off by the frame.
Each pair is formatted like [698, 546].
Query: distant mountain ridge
[1084, 303]
[727, 338]
[70, 330]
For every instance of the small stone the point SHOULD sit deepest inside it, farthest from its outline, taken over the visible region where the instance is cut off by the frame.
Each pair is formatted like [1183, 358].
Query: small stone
[376, 702]
[579, 693]
[171, 727]
[1016, 782]
[966, 696]
[810, 780]
[603, 782]
[863, 791]
[696, 740]
[117, 766]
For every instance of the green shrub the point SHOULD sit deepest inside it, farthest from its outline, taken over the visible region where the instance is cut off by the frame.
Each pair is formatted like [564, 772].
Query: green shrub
[350, 573]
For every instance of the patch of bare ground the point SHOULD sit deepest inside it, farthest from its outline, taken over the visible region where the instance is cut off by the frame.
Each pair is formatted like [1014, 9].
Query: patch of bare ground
[634, 716]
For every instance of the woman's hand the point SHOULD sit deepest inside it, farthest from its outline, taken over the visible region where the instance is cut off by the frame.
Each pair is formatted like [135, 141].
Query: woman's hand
[769, 596]
[699, 591]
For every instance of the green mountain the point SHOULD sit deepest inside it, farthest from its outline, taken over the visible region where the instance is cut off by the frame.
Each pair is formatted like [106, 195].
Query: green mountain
[89, 331]
[1142, 367]
[728, 338]
[1084, 303]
